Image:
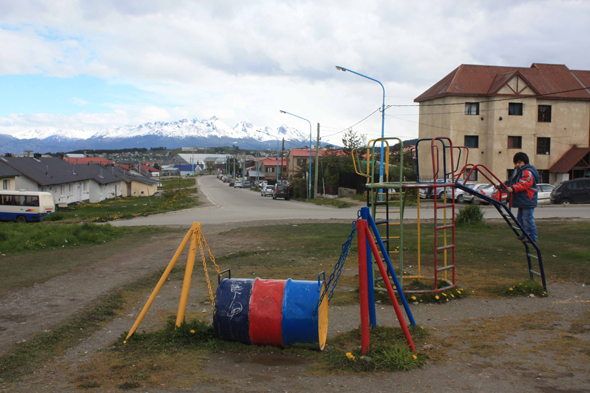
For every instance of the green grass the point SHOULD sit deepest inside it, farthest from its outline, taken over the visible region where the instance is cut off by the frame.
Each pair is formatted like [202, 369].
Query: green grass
[26, 262]
[27, 357]
[525, 288]
[328, 202]
[112, 209]
[168, 185]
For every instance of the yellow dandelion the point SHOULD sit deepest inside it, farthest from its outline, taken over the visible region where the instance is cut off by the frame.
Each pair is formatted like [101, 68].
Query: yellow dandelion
[192, 331]
[436, 297]
[459, 292]
[511, 289]
[350, 356]
[415, 357]
[125, 342]
[444, 294]
[421, 327]
[447, 300]
[452, 295]
[413, 297]
[420, 300]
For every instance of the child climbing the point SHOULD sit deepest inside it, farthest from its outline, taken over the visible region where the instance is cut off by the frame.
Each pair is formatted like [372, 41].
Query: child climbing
[523, 186]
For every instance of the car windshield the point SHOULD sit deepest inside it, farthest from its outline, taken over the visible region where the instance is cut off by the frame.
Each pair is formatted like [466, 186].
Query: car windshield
[283, 188]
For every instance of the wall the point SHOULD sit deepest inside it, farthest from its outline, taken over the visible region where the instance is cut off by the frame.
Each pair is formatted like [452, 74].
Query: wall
[11, 183]
[142, 189]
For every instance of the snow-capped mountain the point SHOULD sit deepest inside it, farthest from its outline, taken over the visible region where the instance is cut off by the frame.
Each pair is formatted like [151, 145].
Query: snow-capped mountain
[205, 133]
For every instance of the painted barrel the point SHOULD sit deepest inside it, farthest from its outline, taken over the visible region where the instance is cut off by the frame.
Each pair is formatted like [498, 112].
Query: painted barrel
[271, 312]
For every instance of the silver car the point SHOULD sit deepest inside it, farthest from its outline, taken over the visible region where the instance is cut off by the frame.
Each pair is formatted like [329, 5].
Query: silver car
[267, 191]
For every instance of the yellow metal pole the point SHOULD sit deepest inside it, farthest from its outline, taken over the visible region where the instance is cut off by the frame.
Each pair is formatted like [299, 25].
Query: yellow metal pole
[188, 273]
[160, 283]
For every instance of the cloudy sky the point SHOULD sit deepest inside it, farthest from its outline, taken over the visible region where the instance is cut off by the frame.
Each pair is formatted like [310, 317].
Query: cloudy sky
[92, 65]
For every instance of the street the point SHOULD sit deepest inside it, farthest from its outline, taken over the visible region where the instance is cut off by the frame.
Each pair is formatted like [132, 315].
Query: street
[231, 205]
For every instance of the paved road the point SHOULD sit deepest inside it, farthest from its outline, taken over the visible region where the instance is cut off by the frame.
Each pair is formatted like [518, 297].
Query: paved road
[232, 205]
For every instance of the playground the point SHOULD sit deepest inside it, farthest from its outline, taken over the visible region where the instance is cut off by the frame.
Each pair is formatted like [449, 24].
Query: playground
[333, 304]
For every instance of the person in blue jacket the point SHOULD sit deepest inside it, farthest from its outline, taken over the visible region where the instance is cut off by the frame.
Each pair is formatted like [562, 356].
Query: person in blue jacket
[523, 186]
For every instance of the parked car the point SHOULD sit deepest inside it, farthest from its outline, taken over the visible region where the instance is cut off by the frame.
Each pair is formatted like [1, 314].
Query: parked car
[544, 195]
[232, 183]
[470, 198]
[247, 184]
[462, 196]
[572, 191]
[281, 191]
[262, 183]
[490, 191]
[226, 179]
[238, 184]
[267, 191]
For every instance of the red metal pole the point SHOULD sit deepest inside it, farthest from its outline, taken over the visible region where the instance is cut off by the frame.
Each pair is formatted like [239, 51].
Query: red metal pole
[361, 226]
[398, 311]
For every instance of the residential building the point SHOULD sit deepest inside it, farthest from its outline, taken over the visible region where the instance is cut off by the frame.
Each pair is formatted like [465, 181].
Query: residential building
[7, 177]
[149, 171]
[188, 170]
[268, 166]
[136, 185]
[67, 183]
[298, 159]
[542, 110]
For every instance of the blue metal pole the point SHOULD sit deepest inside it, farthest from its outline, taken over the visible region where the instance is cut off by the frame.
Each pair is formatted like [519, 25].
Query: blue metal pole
[278, 146]
[382, 117]
[370, 278]
[389, 265]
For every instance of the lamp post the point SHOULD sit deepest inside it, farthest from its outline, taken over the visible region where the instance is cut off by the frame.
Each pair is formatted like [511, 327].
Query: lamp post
[382, 116]
[309, 176]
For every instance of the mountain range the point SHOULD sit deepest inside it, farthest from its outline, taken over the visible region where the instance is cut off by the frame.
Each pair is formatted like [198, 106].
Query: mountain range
[202, 133]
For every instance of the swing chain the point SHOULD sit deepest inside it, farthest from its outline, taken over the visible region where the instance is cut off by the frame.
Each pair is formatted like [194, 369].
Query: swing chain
[333, 280]
[201, 240]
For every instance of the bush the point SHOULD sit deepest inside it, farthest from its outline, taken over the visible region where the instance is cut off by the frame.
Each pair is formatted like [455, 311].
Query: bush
[57, 216]
[470, 215]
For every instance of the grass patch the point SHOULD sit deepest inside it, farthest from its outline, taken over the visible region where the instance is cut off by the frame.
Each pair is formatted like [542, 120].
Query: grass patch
[328, 202]
[27, 266]
[27, 357]
[525, 288]
[389, 352]
[436, 298]
[113, 209]
[174, 184]
[17, 238]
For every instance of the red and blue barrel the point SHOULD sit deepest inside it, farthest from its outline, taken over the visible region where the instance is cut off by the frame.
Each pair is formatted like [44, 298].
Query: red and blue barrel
[271, 312]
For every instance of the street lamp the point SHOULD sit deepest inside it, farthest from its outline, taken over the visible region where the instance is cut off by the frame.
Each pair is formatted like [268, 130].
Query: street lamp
[309, 176]
[382, 116]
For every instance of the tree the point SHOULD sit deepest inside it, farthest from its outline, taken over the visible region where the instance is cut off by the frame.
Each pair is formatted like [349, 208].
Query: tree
[352, 140]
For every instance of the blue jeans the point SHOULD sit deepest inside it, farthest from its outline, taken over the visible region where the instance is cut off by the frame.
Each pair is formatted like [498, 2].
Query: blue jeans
[526, 219]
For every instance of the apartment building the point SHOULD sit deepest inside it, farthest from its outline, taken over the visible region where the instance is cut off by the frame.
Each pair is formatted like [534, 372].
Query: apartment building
[542, 110]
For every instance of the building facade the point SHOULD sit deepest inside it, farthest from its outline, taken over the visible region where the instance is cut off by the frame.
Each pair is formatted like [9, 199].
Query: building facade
[543, 110]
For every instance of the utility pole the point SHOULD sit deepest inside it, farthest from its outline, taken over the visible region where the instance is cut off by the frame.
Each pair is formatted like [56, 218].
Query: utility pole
[257, 162]
[243, 171]
[317, 154]
[282, 152]
[234, 160]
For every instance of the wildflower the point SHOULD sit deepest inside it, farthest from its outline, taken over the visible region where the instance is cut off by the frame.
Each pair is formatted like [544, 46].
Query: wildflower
[444, 294]
[452, 295]
[414, 356]
[436, 297]
[125, 342]
[413, 297]
[192, 331]
[511, 289]
[350, 355]
[421, 327]
[447, 300]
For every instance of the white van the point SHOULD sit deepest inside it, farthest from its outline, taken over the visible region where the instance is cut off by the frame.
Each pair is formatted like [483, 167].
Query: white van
[23, 206]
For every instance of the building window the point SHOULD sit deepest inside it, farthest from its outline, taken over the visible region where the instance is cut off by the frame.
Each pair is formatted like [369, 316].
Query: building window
[473, 176]
[471, 141]
[472, 108]
[270, 169]
[5, 184]
[515, 109]
[544, 114]
[515, 142]
[543, 145]
[301, 161]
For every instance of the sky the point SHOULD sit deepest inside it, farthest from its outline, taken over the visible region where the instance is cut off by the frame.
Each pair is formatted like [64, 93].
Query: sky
[89, 65]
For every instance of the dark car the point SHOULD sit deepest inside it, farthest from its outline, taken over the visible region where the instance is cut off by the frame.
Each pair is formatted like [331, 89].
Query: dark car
[281, 191]
[572, 191]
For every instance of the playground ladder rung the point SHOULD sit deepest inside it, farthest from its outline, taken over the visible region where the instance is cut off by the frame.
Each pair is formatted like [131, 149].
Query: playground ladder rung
[379, 203]
[394, 252]
[381, 222]
[534, 272]
[532, 256]
[445, 247]
[446, 226]
[390, 237]
[444, 206]
[384, 223]
[440, 269]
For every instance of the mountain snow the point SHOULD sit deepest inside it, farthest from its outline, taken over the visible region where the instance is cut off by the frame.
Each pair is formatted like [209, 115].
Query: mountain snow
[184, 128]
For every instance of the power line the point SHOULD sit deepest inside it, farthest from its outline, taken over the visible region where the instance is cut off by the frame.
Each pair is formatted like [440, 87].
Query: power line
[355, 124]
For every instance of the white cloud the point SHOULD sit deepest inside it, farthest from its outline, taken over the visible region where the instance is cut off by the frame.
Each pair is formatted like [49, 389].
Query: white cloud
[248, 59]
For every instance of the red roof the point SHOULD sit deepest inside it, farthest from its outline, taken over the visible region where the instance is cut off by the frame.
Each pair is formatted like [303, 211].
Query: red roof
[480, 80]
[273, 161]
[149, 168]
[126, 167]
[86, 160]
[569, 160]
